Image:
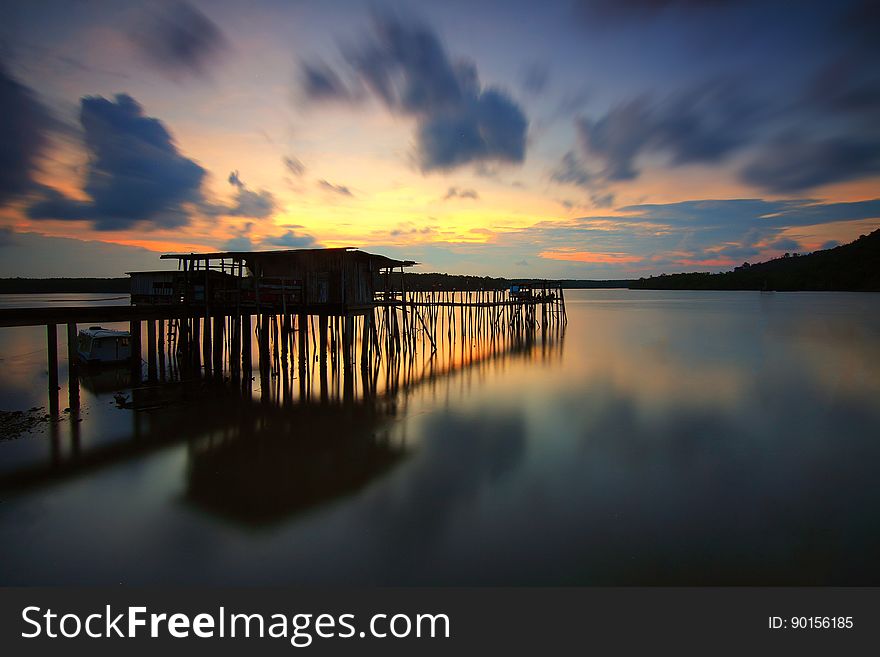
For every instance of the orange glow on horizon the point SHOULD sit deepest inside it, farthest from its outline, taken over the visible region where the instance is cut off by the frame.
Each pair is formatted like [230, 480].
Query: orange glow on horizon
[589, 257]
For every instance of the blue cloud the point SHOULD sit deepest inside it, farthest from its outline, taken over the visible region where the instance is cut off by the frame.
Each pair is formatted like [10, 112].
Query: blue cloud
[703, 124]
[24, 136]
[535, 77]
[135, 173]
[180, 39]
[292, 240]
[249, 203]
[643, 9]
[407, 68]
[238, 243]
[320, 82]
[571, 170]
[798, 162]
[786, 244]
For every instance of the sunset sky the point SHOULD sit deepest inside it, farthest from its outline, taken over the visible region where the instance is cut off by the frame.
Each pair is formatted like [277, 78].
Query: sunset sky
[594, 139]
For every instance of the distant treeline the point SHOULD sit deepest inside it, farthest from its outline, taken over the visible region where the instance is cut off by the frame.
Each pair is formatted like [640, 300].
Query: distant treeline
[852, 267]
[413, 282]
[57, 285]
[447, 282]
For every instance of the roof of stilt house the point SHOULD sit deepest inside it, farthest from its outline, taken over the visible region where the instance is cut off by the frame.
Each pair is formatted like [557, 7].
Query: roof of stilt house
[380, 260]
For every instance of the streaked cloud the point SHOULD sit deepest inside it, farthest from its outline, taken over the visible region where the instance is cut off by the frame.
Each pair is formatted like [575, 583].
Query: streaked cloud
[456, 192]
[178, 39]
[406, 67]
[293, 165]
[248, 203]
[342, 190]
[135, 174]
[24, 136]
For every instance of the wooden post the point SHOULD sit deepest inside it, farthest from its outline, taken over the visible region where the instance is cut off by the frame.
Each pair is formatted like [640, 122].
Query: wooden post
[246, 344]
[206, 339]
[366, 334]
[52, 354]
[322, 347]
[218, 345]
[151, 349]
[322, 337]
[134, 327]
[235, 345]
[264, 341]
[303, 329]
[72, 367]
[160, 347]
[347, 335]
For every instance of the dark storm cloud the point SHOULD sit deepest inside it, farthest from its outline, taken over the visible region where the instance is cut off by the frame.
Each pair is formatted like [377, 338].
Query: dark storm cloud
[249, 203]
[180, 39]
[408, 69]
[342, 190]
[703, 124]
[24, 136]
[135, 173]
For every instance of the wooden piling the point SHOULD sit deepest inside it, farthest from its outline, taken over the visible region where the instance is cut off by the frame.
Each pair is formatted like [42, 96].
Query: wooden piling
[151, 349]
[52, 362]
[246, 355]
[218, 325]
[134, 327]
[72, 367]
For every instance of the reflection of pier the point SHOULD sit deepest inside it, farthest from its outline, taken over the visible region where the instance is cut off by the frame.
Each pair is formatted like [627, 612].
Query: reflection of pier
[312, 435]
[287, 310]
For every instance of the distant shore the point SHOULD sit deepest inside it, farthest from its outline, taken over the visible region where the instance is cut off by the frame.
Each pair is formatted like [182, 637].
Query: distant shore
[853, 267]
[63, 285]
[413, 282]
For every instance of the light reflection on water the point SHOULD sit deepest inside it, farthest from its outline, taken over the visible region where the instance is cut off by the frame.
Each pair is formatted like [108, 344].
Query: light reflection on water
[671, 437]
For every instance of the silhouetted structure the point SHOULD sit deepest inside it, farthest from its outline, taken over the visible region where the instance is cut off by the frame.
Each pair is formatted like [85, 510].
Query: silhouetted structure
[342, 303]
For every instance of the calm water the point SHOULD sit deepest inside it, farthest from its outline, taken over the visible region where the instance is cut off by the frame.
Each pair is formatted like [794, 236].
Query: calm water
[666, 438]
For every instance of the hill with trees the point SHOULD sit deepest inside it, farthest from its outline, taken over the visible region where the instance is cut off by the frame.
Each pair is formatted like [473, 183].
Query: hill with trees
[851, 267]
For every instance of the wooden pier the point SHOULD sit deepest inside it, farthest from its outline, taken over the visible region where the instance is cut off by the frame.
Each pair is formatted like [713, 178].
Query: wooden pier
[336, 307]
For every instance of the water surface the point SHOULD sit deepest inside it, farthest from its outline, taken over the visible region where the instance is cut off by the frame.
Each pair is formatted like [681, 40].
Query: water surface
[665, 438]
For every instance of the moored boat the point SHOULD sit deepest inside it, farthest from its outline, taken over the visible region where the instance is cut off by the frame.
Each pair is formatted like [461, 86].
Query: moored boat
[99, 345]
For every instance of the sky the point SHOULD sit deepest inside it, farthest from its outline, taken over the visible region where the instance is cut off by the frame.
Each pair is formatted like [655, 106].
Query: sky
[594, 139]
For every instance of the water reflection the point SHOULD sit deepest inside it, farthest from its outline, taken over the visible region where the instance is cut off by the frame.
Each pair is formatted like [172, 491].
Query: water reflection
[682, 438]
[258, 457]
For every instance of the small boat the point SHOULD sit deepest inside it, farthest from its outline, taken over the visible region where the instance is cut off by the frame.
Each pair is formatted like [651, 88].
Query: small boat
[99, 345]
